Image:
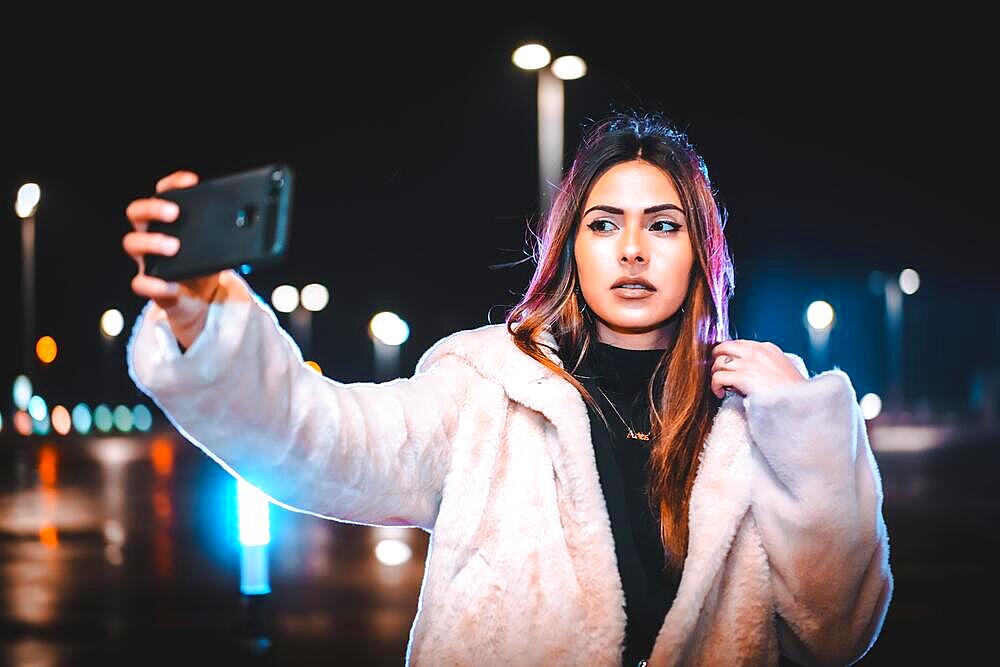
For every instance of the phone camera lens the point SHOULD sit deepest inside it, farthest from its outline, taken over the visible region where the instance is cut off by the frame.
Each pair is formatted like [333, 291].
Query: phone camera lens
[245, 216]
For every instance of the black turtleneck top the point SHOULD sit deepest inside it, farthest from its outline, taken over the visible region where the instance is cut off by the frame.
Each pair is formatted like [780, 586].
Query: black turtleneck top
[622, 464]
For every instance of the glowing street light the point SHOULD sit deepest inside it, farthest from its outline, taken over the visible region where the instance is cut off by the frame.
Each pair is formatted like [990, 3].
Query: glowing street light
[389, 328]
[909, 281]
[315, 297]
[819, 315]
[531, 56]
[393, 552]
[551, 110]
[285, 298]
[388, 332]
[112, 322]
[569, 68]
[819, 321]
[871, 405]
[28, 197]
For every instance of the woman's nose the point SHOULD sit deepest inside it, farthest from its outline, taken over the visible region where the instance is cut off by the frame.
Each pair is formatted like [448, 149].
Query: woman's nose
[632, 243]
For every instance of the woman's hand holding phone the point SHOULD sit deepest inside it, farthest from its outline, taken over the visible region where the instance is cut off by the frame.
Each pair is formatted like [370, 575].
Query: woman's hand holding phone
[185, 302]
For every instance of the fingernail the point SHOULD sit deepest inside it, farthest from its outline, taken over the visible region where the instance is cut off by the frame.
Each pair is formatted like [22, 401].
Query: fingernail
[171, 210]
[173, 288]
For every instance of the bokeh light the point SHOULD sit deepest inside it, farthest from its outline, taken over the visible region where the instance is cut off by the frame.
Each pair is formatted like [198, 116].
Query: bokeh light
[162, 453]
[112, 322]
[103, 419]
[61, 421]
[48, 460]
[41, 426]
[285, 298]
[82, 419]
[820, 315]
[568, 68]
[315, 297]
[389, 328]
[123, 418]
[313, 365]
[28, 196]
[46, 349]
[254, 515]
[142, 418]
[909, 281]
[871, 405]
[22, 422]
[531, 56]
[393, 552]
[22, 392]
[37, 408]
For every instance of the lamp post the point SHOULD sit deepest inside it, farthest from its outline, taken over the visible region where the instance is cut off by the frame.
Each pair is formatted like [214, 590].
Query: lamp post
[551, 110]
[25, 206]
[819, 321]
[907, 282]
[112, 323]
[300, 305]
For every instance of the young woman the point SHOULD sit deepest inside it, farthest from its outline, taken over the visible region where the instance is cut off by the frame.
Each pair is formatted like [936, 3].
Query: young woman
[607, 478]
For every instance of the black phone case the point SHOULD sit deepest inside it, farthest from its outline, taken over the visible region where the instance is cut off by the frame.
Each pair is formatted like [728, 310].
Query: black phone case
[227, 222]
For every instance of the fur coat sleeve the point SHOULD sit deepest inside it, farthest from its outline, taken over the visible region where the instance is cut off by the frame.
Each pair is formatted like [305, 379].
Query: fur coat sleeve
[306, 440]
[817, 502]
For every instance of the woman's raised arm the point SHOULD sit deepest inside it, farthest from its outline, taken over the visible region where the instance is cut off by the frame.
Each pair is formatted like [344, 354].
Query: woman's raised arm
[373, 453]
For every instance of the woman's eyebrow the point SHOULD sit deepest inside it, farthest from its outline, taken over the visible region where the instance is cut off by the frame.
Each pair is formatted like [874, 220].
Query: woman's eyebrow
[618, 211]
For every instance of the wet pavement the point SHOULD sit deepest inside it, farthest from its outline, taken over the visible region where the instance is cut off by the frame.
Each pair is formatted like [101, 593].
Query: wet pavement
[124, 550]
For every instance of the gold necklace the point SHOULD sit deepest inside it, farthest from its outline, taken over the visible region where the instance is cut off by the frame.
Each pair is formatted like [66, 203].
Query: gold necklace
[632, 433]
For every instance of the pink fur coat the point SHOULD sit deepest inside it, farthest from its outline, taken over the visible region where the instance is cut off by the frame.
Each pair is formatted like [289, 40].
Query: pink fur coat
[491, 453]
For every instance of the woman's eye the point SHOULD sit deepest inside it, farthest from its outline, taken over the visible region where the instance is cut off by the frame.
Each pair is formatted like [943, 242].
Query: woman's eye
[674, 225]
[596, 223]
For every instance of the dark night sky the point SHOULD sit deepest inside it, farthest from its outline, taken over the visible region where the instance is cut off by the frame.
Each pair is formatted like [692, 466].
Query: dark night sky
[836, 152]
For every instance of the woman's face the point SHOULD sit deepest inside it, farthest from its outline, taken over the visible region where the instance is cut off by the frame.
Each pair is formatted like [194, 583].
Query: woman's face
[633, 227]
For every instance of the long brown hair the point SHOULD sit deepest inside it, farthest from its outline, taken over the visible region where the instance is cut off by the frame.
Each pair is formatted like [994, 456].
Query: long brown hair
[681, 417]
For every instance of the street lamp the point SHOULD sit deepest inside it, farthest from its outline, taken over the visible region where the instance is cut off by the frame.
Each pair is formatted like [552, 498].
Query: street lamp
[892, 290]
[819, 320]
[300, 305]
[28, 197]
[551, 110]
[388, 331]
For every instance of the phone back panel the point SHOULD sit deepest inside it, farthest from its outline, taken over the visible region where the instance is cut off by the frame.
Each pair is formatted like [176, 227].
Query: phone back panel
[227, 222]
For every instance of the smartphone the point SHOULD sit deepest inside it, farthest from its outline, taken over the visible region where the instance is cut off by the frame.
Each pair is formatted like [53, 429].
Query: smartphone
[227, 222]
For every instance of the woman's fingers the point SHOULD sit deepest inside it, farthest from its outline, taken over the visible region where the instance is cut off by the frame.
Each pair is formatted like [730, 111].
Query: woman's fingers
[137, 244]
[176, 181]
[723, 381]
[140, 212]
[150, 287]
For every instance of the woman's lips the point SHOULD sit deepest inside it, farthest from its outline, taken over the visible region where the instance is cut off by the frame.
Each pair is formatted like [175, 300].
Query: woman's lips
[632, 292]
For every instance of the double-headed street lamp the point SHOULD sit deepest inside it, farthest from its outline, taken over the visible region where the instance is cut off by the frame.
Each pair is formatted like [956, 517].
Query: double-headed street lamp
[551, 110]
